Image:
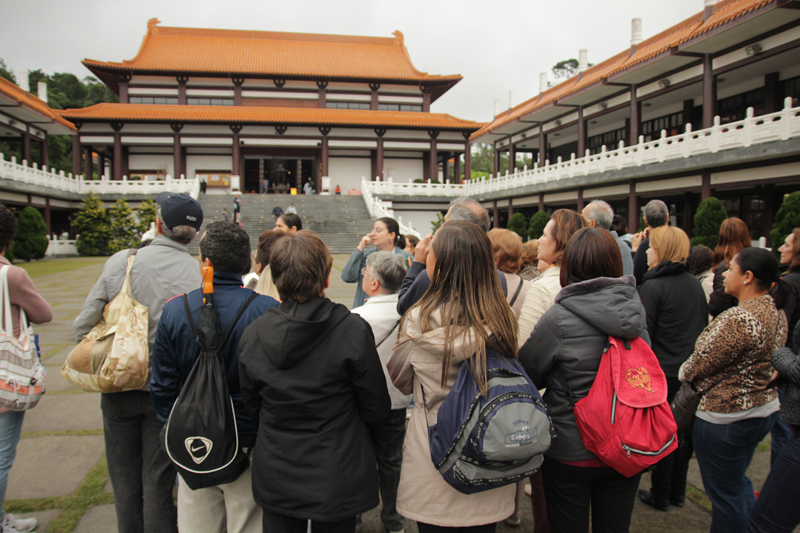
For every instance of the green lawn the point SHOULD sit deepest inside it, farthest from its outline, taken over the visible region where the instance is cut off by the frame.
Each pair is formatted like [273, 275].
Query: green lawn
[52, 266]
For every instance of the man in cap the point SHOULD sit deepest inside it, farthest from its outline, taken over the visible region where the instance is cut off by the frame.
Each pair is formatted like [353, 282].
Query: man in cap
[141, 474]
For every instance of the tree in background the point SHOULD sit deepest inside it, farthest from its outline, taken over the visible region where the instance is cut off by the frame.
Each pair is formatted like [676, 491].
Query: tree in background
[519, 225]
[709, 217]
[564, 70]
[436, 223]
[5, 73]
[91, 223]
[538, 221]
[146, 213]
[787, 218]
[124, 229]
[30, 242]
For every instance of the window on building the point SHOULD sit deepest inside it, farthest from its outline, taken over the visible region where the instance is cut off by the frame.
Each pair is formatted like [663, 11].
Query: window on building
[735, 107]
[673, 124]
[791, 87]
[162, 100]
[347, 105]
[209, 101]
[610, 140]
[400, 107]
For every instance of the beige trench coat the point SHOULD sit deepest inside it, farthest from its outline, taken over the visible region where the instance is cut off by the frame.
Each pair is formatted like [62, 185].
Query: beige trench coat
[423, 495]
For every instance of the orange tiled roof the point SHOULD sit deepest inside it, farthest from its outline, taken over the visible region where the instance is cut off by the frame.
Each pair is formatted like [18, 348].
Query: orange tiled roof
[691, 28]
[32, 102]
[262, 53]
[266, 115]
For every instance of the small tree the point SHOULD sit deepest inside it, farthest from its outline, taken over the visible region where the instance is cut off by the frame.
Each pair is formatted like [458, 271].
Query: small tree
[787, 218]
[124, 229]
[709, 217]
[92, 227]
[437, 223]
[147, 213]
[538, 221]
[519, 225]
[30, 241]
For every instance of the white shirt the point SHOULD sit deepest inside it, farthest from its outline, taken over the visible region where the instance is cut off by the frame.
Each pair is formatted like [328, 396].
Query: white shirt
[291, 209]
[380, 312]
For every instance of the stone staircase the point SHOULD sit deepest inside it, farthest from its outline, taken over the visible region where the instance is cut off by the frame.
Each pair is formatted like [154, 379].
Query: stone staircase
[340, 221]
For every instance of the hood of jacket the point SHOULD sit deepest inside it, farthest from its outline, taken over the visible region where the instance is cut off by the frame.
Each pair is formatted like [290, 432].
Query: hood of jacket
[296, 329]
[611, 305]
[665, 268]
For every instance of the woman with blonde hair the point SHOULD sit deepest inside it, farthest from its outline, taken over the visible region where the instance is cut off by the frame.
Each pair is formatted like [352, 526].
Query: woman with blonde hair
[462, 312]
[508, 250]
[733, 238]
[676, 310]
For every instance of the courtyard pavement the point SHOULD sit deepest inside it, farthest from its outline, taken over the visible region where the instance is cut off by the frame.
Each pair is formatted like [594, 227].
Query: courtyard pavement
[60, 476]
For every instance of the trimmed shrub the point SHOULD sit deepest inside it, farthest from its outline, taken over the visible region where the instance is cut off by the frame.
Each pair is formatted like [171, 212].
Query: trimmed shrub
[436, 223]
[787, 218]
[146, 213]
[30, 242]
[709, 217]
[538, 221]
[92, 226]
[124, 229]
[519, 225]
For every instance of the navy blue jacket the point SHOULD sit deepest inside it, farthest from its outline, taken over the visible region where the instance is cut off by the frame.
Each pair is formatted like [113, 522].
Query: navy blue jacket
[175, 349]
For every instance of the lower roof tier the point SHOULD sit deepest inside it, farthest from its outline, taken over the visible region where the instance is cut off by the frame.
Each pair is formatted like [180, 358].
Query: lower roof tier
[108, 112]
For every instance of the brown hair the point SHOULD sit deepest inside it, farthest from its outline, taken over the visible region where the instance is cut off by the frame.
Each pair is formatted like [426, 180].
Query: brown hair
[591, 253]
[530, 253]
[670, 243]
[794, 264]
[301, 265]
[507, 250]
[413, 240]
[266, 241]
[466, 291]
[733, 237]
[565, 223]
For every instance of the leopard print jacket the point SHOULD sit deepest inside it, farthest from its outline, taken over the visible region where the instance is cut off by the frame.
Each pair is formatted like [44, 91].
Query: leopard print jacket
[742, 337]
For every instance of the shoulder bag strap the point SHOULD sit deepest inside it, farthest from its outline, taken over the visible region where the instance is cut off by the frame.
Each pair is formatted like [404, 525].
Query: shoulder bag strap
[126, 285]
[8, 324]
[516, 294]
[388, 335]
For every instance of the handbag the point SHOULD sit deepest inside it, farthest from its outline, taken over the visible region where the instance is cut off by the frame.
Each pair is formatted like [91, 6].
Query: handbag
[686, 401]
[114, 356]
[22, 374]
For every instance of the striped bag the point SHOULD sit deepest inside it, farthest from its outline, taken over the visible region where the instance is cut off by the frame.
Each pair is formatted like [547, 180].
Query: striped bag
[21, 372]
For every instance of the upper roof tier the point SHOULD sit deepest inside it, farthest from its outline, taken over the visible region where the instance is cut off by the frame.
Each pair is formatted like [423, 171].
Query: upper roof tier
[210, 52]
[29, 109]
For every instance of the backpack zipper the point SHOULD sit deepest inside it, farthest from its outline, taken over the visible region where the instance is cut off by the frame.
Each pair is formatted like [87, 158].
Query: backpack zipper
[640, 452]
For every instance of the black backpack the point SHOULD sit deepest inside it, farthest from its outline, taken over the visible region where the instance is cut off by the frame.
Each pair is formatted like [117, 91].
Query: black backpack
[200, 435]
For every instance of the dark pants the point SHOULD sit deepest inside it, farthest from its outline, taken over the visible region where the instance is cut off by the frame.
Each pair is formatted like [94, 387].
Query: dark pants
[776, 508]
[669, 475]
[278, 523]
[780, 435]
[427, 528]
[571, 491]
[724, 452]
[538, 503]
[142, 475]
[387, 442]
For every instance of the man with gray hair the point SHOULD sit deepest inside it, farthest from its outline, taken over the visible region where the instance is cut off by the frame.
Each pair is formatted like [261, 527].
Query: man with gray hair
[417, 281]
[141, 473]
[656, 214]
[601, 215]
[383, 277]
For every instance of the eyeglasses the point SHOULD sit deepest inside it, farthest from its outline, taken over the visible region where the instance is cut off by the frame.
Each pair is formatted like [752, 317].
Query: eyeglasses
[364, 271]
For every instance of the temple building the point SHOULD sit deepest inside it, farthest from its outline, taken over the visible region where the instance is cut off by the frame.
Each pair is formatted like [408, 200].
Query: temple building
[252, 111]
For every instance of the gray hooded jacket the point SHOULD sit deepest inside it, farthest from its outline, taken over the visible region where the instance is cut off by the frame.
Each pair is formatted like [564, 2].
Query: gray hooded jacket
[570, 339]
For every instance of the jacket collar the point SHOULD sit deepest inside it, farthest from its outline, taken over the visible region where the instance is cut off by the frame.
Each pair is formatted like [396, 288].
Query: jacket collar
[227, 279]
[160, 240]
[552, 271]
[382, 298]
[665, 268]
[593, 285]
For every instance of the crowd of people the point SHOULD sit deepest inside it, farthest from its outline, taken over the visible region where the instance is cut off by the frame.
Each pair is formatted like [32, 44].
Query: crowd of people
[333, 405]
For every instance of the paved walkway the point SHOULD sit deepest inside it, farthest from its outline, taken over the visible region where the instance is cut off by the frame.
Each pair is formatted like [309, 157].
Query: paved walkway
[60, 475]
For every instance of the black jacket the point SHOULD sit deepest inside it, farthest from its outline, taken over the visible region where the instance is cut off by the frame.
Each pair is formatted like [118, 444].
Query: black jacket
[570, 339]
[719, 300]
[677, 313]
[787, 362]
[792, 307]
[640, 261]
[313, 381]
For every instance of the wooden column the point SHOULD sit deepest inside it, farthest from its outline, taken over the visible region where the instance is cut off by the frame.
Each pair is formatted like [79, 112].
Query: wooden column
[324, 130]
[123, 80]
[705, 191]
[772, 93]
[87, 163]
[512, 157]
[542, 145]
[542, 207]
[76, 156]
[373, 104]
[581, 133]
[47, 214]
[457, 168]
[426, 99]
[580, 200]
[432, 161]
[26, 146]
[467, 159]
[177, 151]
[323, 94]
[635, 119]
[237, 151]
[237, 90]
[379, 154]
[445, 166]
[118, 162]
[510, 208]
[709, 92]
[633, 209]
[101, 165]
[495, 215]
[45, 152]
[495, 162]
[182, 80]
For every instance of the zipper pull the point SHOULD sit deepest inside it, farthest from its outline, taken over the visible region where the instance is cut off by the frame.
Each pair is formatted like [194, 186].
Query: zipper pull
[629, 454]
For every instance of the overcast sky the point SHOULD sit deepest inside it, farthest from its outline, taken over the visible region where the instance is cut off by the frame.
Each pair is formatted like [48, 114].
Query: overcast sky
[497, 45]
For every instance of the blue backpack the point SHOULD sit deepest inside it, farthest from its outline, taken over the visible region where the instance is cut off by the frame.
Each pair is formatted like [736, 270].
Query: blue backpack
[483, 442]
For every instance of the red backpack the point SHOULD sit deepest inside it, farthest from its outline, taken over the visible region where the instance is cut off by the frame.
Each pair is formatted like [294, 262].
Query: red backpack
[625, 420]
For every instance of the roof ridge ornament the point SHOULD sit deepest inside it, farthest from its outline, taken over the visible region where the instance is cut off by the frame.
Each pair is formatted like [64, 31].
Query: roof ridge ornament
[399, 36]
[151, 26]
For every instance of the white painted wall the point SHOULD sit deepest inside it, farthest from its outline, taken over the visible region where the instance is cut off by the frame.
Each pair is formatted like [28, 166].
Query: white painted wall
[403, 169]
[346, 172]
[207, 162]
[421, 220]
[151, 162]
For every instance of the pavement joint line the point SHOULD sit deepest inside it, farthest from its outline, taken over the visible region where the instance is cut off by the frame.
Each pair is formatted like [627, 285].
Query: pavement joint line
[62, 433]
[53, 351]
[66, 391]
[90, 494]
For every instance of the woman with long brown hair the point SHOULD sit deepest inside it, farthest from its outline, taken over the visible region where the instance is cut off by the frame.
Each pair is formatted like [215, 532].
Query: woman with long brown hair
[733, 238]
[462, 311]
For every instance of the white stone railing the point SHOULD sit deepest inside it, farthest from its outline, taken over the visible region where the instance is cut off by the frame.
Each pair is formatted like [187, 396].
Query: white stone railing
[60, 247]
[21, 172]
[378, 209]
[780, 126]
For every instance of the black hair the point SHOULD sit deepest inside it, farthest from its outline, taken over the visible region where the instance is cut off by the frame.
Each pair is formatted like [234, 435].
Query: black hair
[401, 242]
[764, 266]
[228, 247]
[392, 227]
[620, 225]
[8, 227]
[701, 258]
[292, 221]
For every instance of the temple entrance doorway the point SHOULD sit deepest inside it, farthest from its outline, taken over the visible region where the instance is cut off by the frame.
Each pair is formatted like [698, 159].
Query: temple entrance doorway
[278, 175]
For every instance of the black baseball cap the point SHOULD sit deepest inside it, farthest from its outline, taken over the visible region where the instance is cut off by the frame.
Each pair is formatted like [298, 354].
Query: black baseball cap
[180, 210]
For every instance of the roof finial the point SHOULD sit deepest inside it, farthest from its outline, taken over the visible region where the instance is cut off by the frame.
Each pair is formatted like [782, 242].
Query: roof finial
[399, 36]
[151, 25]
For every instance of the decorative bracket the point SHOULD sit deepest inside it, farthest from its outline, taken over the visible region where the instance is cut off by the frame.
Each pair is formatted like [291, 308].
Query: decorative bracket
[237, 81]
[279, 82]
[324, 130]
[182, 79]
[124, 78]
[466, 134]
[281, 129]
[433, 133]
[116, 126]
[425, 88]
[322, 84]
[374, 86]
[176, 127]
[236, 128]
[78, 124]
[380, 132]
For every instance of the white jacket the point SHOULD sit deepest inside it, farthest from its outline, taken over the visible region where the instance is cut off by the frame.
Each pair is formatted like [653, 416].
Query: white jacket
[380, 312]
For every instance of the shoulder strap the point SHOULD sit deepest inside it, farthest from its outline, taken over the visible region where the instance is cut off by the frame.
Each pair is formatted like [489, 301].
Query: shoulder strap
[189, 315]
[516, 294]
[126, 285]
[236, 320]
[388, 335]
